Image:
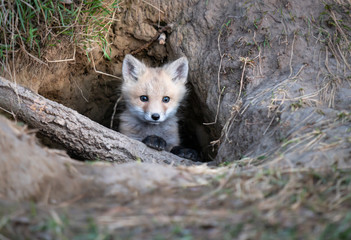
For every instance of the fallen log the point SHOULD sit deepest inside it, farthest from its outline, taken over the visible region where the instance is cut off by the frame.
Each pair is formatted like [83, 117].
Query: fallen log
[77, 133]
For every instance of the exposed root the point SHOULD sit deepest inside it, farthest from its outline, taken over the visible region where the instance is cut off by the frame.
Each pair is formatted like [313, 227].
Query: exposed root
[258, 56]
[157, 8]
[236, 107]
[81, 91]
[64, 60]
[220, 91]
[155, 38]
[103, 73]
[291, 55]
[114, 111]
[9, 112]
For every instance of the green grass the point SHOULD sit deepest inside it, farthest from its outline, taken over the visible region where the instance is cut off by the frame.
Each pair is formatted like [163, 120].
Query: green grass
[340, 230]
[30, 25]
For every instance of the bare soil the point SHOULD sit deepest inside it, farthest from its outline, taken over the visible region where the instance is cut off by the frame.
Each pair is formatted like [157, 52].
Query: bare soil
[269, 105]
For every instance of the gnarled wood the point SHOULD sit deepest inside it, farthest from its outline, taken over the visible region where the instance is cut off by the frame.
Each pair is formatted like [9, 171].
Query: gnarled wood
[79, 134]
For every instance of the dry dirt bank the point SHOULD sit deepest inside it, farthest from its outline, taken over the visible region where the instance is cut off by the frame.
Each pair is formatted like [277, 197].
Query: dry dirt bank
[270, 80]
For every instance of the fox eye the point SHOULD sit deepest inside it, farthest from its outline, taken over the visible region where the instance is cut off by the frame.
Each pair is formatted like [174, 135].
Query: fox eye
[144, 98]
[166, 99]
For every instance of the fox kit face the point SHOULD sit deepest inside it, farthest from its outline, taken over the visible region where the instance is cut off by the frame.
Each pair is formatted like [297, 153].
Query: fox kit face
[153, 94]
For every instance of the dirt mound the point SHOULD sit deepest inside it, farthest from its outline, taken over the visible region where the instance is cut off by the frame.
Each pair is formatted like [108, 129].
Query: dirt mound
[279, 70]
[270, 97]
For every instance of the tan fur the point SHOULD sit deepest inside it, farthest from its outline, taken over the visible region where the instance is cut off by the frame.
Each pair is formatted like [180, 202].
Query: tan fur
[155, 83]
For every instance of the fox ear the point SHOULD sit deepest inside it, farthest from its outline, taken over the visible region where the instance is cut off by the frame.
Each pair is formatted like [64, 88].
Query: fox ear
[178, 69]
[132, 68]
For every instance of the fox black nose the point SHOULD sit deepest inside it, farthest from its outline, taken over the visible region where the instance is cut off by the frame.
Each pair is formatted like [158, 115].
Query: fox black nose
[155, 116]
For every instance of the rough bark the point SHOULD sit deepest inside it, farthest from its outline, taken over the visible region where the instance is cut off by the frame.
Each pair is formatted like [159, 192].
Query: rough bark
[80, 135]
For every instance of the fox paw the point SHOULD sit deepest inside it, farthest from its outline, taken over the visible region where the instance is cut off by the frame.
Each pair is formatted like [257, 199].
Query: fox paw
[187, 153]
[155, 142]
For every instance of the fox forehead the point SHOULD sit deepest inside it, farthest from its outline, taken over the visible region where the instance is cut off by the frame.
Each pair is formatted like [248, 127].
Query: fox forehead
[156, 82]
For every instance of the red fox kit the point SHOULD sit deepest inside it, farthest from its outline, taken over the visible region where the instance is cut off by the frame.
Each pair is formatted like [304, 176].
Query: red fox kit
[152, 97]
